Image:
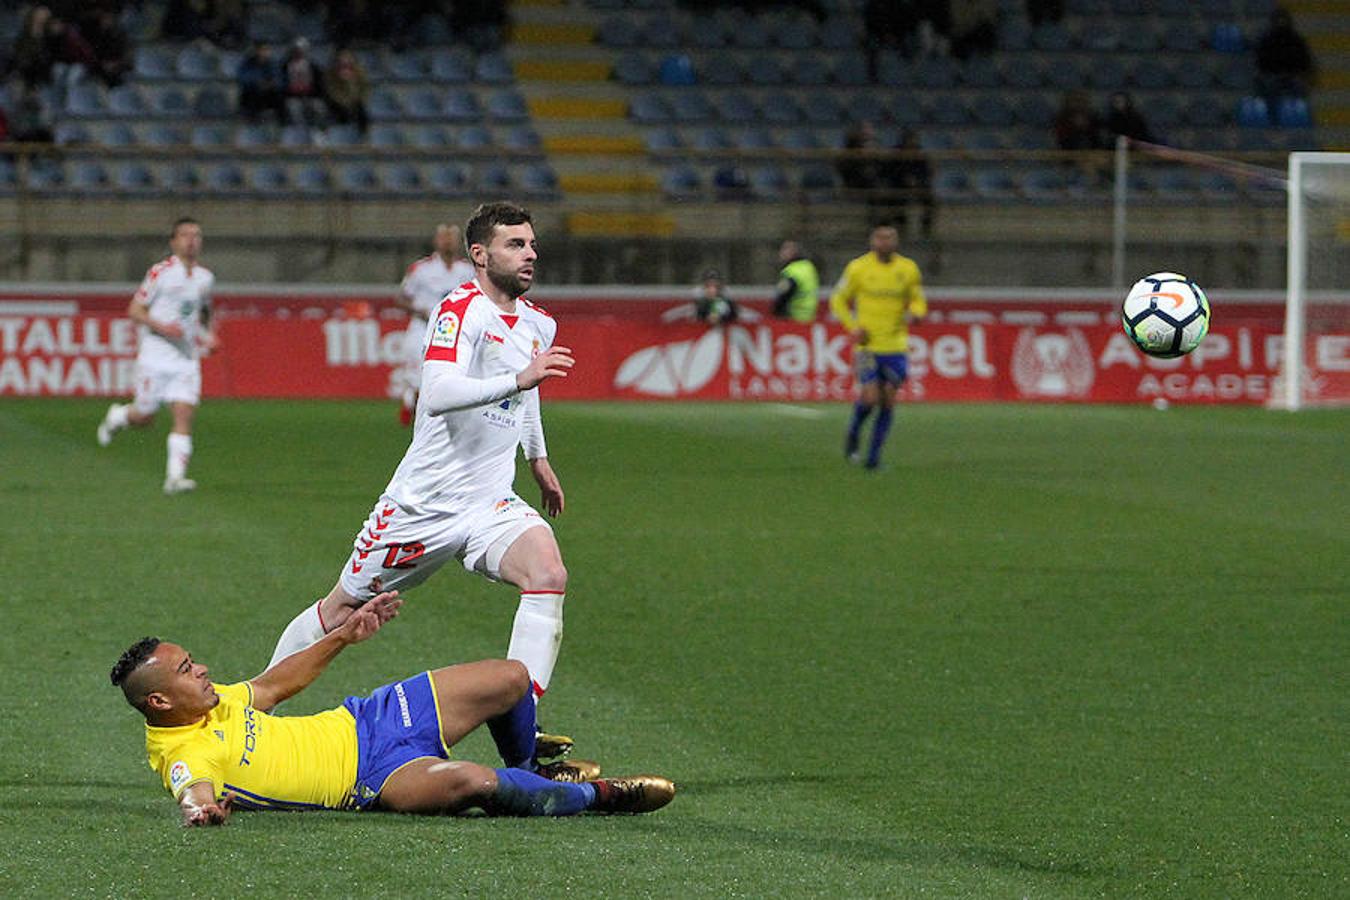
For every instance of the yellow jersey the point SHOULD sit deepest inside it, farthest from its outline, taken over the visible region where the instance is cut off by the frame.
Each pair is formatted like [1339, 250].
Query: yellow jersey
[883, 292]
[268, 762]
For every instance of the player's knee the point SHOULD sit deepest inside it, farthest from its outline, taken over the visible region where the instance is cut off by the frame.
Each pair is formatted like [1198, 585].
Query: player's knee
[547, 575]
[515, 680]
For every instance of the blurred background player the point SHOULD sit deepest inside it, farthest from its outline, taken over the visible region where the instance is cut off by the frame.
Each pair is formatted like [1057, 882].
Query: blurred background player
[878, 297]
[216, 746]
[452, 496]
[173, 308]
[797, 293]
[713, 306]
[425, 284]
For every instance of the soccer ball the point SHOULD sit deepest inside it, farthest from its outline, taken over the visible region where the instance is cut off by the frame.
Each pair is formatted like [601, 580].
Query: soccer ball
[1165, 314]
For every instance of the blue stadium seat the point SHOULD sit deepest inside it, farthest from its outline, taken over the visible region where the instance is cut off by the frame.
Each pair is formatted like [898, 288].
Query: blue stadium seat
[87, 175]
[383, 106]
[994, 184]
[894, 71]
[493, 68]
[983, 139]
[387, 136]
[1183, 37]
[839, 33]
[980, 72]
[1152, 73]
[462, 106]
[177, 177]
[1234, 73]
[209, 137]
[721, 69]
[406, 66]
[474, 137]
[680, 182]
[125, 100]
[1067, 72]
[133, 177]
[212, 103]
[1227, 37]
[356, 178]
[494, 176]
[523, 139]
[937, 73]
[819, 182]
[801, 139]
[851, 71]
[707, 33]
[508, 106]
[171, 102]
[937, 139]
[1293, 112]
[663, 140]
[1253, 112]
[446, 178]
[780, 108]
[341, 136]
[254, 136]
[85, 100]
[44, 175]
[1107, 74]
[1051, 37]
[294, 136]
[952, 185]
[1203, 112]
[196, 62]
[765, 69]
[992, 108]
[224, 178]
[160, 134]
[649, 108]
[711, 140]
[68, 133]
[227, 64]
[449, 67]
[430, 137]
[1035, 111]
[949, 110]
[117, 134]
[538, 179]
[268, 178]
[153, 64]
[634, 69]
[661, 32]
[400, 178]
[1192, 74]
[426, 104]
[753, 138]
[769, 182]
[691, 105]
[1139, 37]
[752, 35]
[1044, 185]
[824, 108]
[797, 33]
[676, 70]
[619, 31]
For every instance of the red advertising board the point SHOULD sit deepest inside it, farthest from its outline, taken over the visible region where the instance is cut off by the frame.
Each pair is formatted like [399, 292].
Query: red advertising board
[969, 350]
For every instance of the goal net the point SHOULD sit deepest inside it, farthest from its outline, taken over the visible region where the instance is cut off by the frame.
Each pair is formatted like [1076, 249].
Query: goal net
[1315, 363]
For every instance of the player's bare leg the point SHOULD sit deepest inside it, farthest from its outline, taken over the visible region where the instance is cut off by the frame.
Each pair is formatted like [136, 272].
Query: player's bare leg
[179, 449]
[119, 416]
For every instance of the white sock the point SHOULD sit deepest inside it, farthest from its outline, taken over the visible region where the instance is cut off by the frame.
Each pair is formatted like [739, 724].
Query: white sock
[180, 452]
[117, 416]
[304, 630]
[536, 635]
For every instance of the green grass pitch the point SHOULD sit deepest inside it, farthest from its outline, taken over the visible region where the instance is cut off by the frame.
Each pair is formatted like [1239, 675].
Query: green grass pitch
[1052, 651]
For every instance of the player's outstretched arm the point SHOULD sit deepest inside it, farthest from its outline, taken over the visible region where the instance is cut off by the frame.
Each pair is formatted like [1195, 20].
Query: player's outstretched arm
[297, 671]
[199, 805]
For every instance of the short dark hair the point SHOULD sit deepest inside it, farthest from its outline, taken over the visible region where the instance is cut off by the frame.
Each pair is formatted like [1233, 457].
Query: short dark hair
[180, 222]
[132, 659]
[486, 218]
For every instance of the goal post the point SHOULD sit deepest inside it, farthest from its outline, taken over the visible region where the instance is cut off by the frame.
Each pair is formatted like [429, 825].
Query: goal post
[1317, 299]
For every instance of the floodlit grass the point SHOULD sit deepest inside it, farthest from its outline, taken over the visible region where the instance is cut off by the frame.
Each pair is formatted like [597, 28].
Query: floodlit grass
[1052, 651]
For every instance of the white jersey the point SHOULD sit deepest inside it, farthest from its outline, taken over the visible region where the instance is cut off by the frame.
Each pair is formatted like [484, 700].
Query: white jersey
[465, 456]
[173, 294]
[429, 279]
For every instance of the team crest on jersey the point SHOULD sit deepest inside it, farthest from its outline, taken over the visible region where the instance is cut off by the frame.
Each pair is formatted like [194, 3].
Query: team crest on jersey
[179, 775]
[447, 330]
[534, 348]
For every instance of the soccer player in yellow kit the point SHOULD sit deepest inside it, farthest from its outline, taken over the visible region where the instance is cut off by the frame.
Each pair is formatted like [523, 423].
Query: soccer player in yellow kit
[216, 747]
[878, 297]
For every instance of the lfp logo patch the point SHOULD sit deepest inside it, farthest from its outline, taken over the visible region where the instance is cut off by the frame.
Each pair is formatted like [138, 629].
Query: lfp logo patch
[179, 775]
[447, 330]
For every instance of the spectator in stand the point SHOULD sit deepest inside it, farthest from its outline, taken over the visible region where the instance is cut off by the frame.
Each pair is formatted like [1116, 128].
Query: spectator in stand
[974, 28]
[260, 85]
[713, 306]
[111, 46]
[858, 166]
[1077, 125]
[72, 55]
[1124, 118]
[345, 91]
[910, 180]
[33, 58]
[1041, 11]
[1284, 64]
[302, 84]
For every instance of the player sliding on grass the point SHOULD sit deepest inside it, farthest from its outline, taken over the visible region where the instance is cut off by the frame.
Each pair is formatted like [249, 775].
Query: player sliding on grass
[485, 351]
[216, 747]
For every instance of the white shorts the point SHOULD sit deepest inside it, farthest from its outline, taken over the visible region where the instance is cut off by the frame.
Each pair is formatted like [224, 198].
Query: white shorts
[412, 352]
[398, 549]
[156, 386]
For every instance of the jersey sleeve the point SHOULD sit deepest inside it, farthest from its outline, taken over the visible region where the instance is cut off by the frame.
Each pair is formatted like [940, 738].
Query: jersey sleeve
[446, 338]
[842, 297]
[145, 293]
[918, 303]
[446, 382]
[532, 426]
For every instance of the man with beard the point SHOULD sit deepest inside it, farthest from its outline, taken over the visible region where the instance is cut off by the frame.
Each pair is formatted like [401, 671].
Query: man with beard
[485, 351]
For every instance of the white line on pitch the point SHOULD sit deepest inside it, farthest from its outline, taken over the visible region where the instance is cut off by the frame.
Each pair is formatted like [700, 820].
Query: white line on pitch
[801, 412]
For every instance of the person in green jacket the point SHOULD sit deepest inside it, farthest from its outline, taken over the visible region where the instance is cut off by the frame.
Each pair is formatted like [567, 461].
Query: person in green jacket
[798, 291]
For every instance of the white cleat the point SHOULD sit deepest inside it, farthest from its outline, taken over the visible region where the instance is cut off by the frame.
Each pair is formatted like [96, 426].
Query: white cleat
[179, 485]
[105, 429]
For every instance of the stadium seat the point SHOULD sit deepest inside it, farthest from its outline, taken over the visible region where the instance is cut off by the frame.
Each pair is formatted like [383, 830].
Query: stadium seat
[680, 182]
[801, 139]
[224, 178]
[691, 105]
[426, 104]
[523, 139]
[356, 178]
[894, 71]
[153, 64]
[937, 73]
[780, 108]
[765, 69]
[85, 100]
[731, 182]
[196, 62]
[1106, 74]
[981, 73]
[44, 175]
[494, 176]
[493, 68]
[538, 179]
[1182, 37]
[160, 134]
[294, 136]
[1192, 75]
[982, 139]
[474, 138]
[406, 66]
[69, 133]
[126, 101]
[400, 178]
[751, 35]
[950, 110]
[676, 70]
[340, 136]
[1140, 37]
[665, 139]
[462, 106]
[619, 31]
[117, 134]
[171, 102]
[133, 177]
[1227, 37]
[711, 140]
[446, 178]
[268, 178]
[507, 106]
[753, 139]
[851, 71]
[1044, 185]
[387, 136]
[212, 103]
[839, 33]
[819, 183]
[1067, 72]
[810, 71]
[1293, 112]
[994, 184]
[1150, 73]
[991, 108]
[430, 137]
[823, 108]
[449, 67]
[383, 106]
[634, 69]
[1252, 112]
[209, 137]
[1234, 73]
[952, 185]
[796, 33]
[1035, 111]
[660, 31]
[1052, 37]
[177, 176]
[87, 175]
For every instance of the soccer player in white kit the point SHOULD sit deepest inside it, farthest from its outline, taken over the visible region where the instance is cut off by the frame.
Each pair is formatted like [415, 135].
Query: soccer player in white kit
[485, 351]
[424, 286]
[173, 308]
